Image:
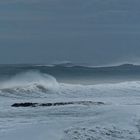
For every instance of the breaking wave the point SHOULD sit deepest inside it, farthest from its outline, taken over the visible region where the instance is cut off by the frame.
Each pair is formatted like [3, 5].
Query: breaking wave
[35, 84]
[102, 90]
[29, 83]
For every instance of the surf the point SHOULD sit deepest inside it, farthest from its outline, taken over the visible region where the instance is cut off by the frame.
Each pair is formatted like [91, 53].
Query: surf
[29, 83]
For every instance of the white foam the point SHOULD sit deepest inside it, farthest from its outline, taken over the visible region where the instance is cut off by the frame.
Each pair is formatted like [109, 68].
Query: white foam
[102, 90]
[29, 82]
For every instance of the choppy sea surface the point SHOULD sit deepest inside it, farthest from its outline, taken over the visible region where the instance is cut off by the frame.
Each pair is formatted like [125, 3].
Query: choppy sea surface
[116, 87]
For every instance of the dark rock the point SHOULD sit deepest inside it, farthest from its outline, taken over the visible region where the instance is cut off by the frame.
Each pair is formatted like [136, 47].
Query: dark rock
[29, 104]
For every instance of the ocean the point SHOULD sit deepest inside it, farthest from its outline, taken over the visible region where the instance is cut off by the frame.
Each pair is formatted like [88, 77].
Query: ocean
[89, 102]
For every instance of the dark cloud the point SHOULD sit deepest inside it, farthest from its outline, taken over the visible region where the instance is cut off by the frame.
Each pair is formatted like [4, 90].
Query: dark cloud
[97, 32]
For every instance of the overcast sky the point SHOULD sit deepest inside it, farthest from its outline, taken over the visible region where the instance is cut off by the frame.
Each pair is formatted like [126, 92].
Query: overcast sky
[97, 32]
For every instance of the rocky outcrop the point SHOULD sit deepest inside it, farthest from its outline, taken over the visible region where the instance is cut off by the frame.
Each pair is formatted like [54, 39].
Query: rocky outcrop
[30, 104]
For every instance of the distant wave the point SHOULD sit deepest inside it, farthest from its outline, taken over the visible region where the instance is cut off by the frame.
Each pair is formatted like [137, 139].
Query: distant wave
[70, 64]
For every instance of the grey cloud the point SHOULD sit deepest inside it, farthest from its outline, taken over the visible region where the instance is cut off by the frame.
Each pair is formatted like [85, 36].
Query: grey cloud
[98, 32]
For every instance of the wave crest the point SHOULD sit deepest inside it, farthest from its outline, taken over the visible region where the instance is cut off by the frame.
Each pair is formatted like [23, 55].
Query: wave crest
[33, 82]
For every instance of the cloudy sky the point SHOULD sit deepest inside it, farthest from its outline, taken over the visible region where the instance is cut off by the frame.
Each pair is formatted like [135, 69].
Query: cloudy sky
[97, 32]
